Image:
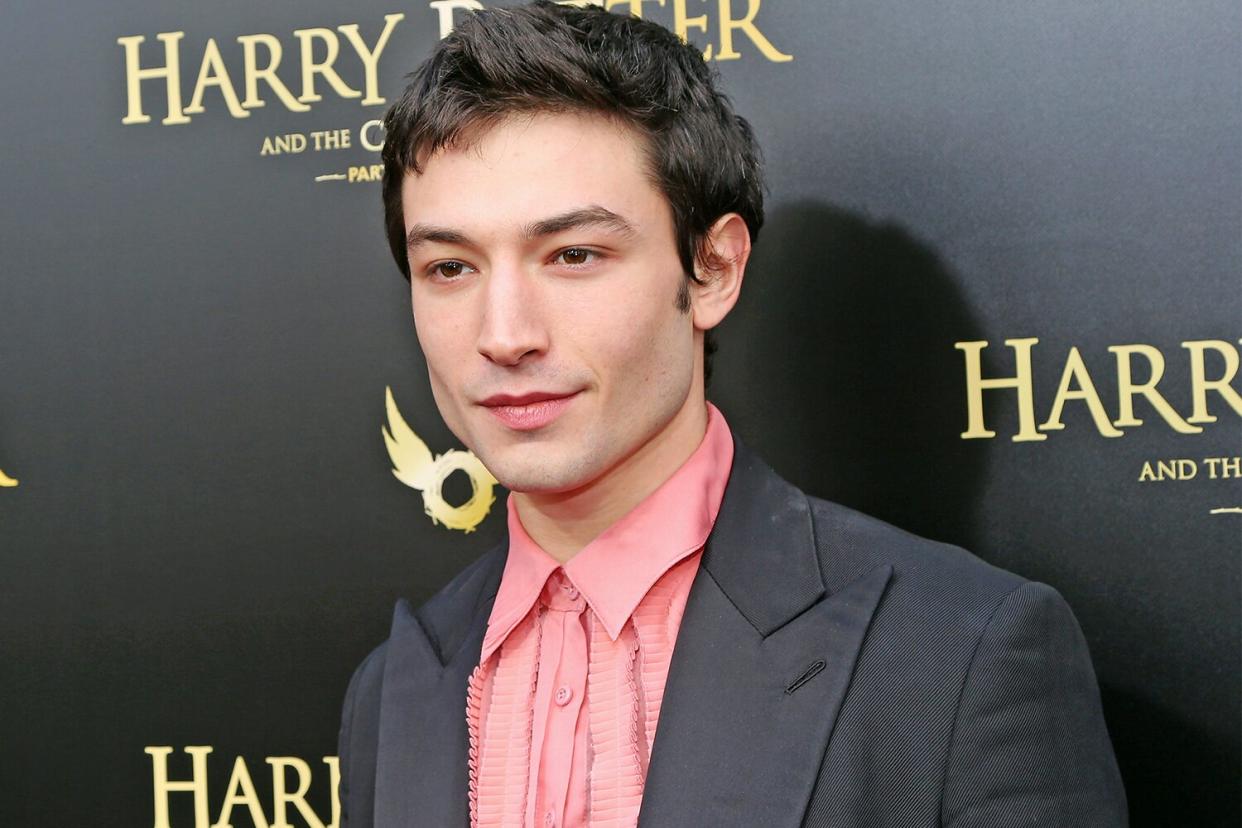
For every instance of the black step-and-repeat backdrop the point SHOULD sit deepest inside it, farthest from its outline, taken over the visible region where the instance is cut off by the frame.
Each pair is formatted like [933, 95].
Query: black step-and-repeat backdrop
[998, 302]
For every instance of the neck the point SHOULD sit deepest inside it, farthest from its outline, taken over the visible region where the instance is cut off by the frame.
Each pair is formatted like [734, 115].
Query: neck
[562, 523]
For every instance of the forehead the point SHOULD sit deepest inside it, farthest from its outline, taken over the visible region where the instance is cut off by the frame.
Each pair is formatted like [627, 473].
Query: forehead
[528, 166]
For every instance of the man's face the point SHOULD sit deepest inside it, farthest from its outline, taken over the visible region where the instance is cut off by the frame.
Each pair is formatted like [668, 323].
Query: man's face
[544, 280]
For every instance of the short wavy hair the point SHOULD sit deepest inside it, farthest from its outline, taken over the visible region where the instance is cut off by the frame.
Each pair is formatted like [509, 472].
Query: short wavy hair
[545, 57]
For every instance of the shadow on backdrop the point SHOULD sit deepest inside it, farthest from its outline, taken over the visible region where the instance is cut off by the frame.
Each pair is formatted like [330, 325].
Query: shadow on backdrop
[839, 366]
[1176, 774]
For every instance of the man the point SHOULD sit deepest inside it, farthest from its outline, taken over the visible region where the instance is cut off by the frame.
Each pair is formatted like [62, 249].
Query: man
[671, 634]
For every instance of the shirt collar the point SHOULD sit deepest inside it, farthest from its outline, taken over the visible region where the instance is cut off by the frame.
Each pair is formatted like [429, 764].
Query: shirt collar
[614, 571]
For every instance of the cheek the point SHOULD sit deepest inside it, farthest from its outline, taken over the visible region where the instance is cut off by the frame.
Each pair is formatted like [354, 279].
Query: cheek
[440, 338]
[632, 338]
[439, 321]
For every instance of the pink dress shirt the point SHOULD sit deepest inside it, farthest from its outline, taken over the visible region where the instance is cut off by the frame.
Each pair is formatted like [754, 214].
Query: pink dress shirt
[562, 709]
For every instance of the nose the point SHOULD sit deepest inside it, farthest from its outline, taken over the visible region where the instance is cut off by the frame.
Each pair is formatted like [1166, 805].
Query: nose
[512, 326]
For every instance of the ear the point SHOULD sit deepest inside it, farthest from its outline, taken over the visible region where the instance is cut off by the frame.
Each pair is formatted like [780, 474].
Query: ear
[719, 267]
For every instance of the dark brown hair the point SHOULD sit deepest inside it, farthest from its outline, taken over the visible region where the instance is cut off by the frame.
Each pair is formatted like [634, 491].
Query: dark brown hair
[549, 58]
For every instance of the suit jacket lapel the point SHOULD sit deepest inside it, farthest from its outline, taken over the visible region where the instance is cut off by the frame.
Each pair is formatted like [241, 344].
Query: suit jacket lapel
[761, 665]
[421, 776]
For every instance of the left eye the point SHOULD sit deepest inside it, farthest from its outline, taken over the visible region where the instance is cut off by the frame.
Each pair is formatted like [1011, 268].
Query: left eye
[575, 256]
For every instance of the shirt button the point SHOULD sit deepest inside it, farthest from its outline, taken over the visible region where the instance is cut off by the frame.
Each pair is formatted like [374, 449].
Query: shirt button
[571, 592]
[549, 819]
[563, 695]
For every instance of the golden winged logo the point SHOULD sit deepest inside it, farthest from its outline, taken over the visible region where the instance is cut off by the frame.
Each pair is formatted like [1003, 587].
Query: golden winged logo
[415, 466]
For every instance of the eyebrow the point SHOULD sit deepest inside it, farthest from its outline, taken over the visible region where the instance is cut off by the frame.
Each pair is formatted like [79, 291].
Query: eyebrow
[593, 216]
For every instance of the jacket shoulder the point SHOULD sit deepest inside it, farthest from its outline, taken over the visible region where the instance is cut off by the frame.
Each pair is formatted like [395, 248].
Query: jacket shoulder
[992, 678]
[454, 596]
[358, 739]
[444, 618]
[851, 543]
[940, 598]
[440, 615]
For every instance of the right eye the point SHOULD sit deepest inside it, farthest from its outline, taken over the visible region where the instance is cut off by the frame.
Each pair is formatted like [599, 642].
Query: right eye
[449, 270]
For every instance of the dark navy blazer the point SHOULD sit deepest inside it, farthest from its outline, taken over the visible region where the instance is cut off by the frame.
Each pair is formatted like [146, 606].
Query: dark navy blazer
[830, 670]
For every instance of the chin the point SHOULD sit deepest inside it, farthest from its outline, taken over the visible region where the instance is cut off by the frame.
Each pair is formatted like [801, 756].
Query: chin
[538, 472]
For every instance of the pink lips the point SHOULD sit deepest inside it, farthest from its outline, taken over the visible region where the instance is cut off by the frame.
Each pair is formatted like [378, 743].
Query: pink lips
[527, 412]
